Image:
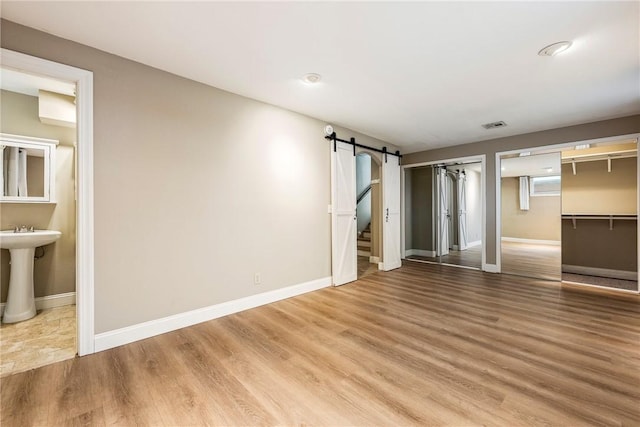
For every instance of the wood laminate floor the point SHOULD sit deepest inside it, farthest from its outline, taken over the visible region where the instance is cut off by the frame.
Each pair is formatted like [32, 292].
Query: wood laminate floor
[532, 260]
[421, 345]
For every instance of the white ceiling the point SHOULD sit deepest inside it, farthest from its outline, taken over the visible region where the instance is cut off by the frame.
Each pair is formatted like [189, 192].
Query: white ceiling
[418, 74]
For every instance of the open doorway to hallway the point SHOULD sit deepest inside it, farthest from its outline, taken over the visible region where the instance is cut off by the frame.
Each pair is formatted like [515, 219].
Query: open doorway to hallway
[368, 213]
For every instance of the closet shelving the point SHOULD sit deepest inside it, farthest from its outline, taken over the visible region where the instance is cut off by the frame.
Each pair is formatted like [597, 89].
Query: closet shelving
[611, 217]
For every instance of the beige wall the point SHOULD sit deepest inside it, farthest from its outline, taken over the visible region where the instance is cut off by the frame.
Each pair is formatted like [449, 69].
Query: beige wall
[540, 222]
[196, 189]
[601, 129]
[54, 273]
[593, 190]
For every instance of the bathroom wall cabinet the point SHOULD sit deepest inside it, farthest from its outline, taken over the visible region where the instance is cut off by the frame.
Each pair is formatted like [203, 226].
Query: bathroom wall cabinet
[27, 170]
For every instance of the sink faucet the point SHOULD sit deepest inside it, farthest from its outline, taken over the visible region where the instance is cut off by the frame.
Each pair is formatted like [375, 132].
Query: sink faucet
[23, 229]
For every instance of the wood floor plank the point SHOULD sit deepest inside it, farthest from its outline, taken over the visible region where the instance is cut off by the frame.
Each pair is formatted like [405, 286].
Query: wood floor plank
[421, 345]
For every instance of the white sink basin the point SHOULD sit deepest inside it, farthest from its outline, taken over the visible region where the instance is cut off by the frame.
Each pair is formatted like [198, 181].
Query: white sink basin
[31, 239]
[21, 304]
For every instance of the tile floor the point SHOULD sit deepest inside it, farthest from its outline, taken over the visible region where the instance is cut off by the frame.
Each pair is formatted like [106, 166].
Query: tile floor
[47, 338]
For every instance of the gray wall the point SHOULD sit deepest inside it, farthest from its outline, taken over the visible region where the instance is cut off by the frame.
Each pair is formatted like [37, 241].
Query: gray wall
[192, 191]
[422, 209]
[601, 129]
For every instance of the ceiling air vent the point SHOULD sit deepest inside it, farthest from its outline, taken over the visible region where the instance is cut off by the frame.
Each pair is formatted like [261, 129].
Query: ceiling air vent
[494, 125]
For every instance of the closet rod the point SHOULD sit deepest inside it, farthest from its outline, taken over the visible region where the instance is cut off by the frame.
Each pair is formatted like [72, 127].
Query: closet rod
[353, 142]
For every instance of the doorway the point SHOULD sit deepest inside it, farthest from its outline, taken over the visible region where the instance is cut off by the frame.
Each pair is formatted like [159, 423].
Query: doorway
[443, 213]
[569, 213]
[368, 212]
[83, 81]
[344, 201]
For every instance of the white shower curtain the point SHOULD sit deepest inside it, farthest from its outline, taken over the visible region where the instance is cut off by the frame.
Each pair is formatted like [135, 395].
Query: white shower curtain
[524, 193]
[14, 170]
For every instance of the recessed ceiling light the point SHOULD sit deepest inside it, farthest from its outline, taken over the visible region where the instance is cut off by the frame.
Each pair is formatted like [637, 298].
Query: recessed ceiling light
[548, 169]
[311, 78]
[555, 48]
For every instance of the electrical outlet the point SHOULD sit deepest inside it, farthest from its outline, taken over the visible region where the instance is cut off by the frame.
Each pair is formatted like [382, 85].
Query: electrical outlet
[256, 279]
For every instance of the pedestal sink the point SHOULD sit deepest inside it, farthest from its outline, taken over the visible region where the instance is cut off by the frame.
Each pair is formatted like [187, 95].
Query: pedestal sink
[21, 304]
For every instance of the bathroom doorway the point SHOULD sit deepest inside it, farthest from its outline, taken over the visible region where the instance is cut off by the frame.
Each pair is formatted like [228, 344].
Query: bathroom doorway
[78, 163]
[39, 109]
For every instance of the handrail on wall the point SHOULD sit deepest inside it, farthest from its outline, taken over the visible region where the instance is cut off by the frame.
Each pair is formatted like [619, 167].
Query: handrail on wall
[363, 194]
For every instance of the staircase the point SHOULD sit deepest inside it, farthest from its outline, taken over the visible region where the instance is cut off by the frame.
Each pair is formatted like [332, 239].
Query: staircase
[364, 241]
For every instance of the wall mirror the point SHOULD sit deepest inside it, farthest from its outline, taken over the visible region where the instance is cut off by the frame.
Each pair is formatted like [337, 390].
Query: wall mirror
[443, 214]
[27, 174]
[570, 214]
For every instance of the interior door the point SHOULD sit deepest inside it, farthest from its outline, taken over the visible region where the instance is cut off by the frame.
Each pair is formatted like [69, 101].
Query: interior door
[392, 258]
[462, 211]
[443, 213]
[344, 259]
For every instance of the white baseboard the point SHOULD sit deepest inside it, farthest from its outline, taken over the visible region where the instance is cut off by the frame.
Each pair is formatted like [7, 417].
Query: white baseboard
[129, 334]
[50, 301]
[374, 259]
[474, 243]
[600, 272]
[532, 241]
[490, 268]
[420, 252]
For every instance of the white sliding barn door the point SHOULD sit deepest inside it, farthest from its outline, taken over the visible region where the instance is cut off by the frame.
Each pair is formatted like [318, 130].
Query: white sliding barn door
[391, 256]
[443, 213]
[344, 261]
[462, 211]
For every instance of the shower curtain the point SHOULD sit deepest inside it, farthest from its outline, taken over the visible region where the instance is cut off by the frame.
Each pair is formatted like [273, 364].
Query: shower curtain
[14, 171]
[524, 193]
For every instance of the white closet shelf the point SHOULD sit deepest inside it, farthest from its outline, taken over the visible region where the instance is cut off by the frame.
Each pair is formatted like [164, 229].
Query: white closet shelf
[610, 217]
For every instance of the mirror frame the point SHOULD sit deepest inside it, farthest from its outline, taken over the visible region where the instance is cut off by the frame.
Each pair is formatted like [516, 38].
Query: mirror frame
[49, 148]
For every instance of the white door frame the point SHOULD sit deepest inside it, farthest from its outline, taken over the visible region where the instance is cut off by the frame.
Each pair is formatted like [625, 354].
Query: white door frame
[559, 147]
[482, 158]
[84, 181]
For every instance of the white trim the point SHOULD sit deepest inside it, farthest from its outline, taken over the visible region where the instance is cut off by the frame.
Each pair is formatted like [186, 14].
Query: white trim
[474, 243]
[420, 252]
[129, 334]
[532, 241]
[491, 268]
[600, 272]
[50, 301]
[374, 259]
[84, 181]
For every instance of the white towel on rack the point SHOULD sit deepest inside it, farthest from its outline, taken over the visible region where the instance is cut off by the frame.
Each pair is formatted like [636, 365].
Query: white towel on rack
[524, 193]
[22, 172]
